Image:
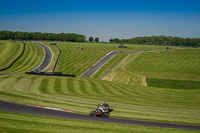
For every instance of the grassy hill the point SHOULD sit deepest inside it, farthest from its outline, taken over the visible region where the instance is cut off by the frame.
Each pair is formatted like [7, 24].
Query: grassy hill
[23, 123]
[76, 61]
[32, 57]
[169, 69]
[177, 64]
[128, 93]
[83, 94]
[9, 51]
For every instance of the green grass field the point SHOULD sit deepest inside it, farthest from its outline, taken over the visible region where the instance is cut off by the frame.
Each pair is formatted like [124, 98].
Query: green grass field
[9, 51]
[76, 61]
[128, 93]
[178, 69]
[23, 123]
[83, 94]
[31, 59]
[177, 64]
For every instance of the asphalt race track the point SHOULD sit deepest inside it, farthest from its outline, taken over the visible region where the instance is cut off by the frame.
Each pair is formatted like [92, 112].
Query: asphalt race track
[99, 64]
[27, 109]
[47, 59]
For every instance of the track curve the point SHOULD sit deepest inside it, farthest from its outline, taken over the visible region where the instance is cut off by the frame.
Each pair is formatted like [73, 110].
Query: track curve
[26, 109]
[47, 59]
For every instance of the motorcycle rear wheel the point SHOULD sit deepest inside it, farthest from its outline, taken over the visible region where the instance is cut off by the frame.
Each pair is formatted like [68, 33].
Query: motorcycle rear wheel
[92, 113]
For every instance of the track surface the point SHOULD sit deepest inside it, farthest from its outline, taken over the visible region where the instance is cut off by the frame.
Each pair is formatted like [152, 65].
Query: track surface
[47, 59]
[26, 109]
[99, 64]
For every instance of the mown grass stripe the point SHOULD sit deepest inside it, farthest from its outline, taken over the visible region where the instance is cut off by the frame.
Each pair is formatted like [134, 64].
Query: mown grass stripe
[120, 91]
[127, 88]
[108, 89]
[34, 88]
[51, 86]
[94, 87]
[76, 84]
[89, 88]
[70, 86]
[82, 87]
[23, 85]
[64, 89]
[57, 85]
[10, 83]
[100, 88]
[4, 83]
[43, 86]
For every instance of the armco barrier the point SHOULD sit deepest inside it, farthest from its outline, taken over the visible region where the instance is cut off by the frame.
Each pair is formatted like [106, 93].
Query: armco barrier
[15, 59]
[56, 61]
[51, 74]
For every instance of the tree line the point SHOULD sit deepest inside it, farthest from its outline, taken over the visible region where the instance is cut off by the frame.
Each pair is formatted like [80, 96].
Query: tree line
[19, 35]
[160, 40]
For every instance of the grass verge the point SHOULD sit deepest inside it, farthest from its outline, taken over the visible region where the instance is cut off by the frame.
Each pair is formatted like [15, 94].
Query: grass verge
[23, 123]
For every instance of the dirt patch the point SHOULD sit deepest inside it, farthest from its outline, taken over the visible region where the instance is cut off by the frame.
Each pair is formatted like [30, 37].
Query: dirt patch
[144, 82]
[110, 77]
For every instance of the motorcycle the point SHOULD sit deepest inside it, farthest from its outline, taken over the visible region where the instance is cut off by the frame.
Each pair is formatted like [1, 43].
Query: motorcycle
[100, 112]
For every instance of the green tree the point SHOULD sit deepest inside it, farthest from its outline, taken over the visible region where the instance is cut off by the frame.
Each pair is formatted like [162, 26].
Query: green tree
[96, 39]
[111, 40]
[80, 39]
[91, 39]
[116, 40]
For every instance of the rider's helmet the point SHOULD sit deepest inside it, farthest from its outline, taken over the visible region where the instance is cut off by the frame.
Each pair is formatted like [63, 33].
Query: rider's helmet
[105, 102]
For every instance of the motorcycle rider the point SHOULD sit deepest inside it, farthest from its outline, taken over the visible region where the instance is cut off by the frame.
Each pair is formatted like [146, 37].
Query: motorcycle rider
[106, 106]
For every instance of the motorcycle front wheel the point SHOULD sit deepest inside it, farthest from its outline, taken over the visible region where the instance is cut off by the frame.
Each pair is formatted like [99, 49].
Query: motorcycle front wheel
[106, 115]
